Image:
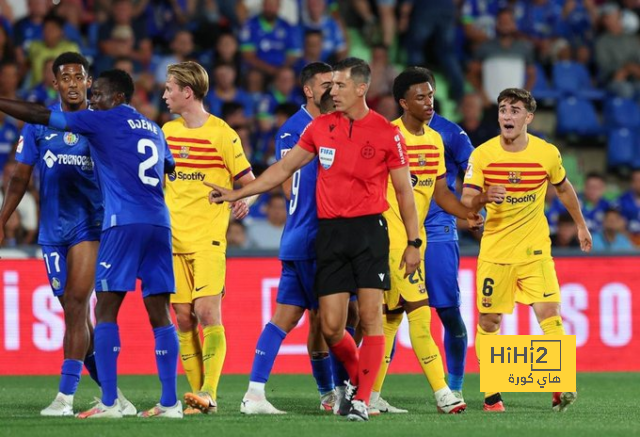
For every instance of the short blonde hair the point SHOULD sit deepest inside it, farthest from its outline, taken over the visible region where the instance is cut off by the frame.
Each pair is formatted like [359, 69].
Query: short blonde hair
[190, 74]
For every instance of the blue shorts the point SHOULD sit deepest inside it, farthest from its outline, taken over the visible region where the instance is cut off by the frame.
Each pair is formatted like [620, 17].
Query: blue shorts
[441, 262]
[55, 259]
[135, 251]
[296, 284]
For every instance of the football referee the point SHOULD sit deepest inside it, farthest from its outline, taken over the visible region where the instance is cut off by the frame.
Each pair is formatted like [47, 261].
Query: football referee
[358, 150]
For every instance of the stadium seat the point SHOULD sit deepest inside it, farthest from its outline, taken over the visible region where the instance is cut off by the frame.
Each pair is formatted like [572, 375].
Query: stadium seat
[622, 147]
[620, 112]
[577, 116]
[542, 89]
[573, 79]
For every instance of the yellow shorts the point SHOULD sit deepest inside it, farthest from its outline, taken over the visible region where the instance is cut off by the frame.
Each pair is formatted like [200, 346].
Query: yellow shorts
[409, 289]
[500, 286]
[198, 274]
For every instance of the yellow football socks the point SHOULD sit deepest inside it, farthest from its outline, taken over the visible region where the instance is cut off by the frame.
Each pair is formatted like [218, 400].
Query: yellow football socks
[391, 323]
[214, 350]
[479, 333]
[552, 326]
[191, 357]
[425, 347]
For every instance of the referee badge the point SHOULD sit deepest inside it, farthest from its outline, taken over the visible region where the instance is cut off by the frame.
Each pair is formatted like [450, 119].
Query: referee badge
[327, 155]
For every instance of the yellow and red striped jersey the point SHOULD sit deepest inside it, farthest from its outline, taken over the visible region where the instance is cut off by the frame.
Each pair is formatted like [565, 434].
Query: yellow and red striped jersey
[515, 231]
[212, 153]
[426, 164]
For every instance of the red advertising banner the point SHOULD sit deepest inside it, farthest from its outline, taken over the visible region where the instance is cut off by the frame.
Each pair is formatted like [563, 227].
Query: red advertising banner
[600, 302]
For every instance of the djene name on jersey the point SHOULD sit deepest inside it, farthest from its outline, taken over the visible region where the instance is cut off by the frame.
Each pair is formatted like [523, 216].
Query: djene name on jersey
[142, 124]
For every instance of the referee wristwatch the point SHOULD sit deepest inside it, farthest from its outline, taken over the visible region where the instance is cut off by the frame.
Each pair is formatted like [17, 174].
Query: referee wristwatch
[415, 243]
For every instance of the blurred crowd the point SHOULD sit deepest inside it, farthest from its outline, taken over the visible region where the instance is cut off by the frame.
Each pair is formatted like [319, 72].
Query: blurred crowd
[579, 57]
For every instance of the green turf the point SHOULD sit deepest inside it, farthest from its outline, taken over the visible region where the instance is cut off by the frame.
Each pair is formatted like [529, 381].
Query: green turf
[606, 406]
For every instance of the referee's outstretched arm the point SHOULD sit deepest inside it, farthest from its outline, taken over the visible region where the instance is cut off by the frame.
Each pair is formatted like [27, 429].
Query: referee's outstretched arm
[270, 178]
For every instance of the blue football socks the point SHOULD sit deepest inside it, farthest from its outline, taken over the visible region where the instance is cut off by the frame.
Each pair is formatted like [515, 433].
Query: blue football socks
[107, 349]
[167, 348]
[70, 376]
[455, 345]
[90, 365]
[266, 351]
[321, 370]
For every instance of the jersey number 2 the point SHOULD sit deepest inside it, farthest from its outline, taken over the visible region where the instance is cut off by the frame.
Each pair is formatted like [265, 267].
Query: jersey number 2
[147, 163]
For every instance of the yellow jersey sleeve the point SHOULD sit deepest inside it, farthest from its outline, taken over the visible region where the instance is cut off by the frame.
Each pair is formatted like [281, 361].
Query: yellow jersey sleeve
[233, 154]
[556, 171]
[474, 176]
[442, 168]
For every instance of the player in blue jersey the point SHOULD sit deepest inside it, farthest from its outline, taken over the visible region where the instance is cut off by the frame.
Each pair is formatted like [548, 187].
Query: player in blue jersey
[592, 203]
[629, 204]
[297, 252]
[70, 219]
[130, 155]
[268, 42]
[442, 257]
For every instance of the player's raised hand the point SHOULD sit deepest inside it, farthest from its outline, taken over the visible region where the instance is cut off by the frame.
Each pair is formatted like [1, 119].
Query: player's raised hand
[410, 260]
[219, 194]
[475, 221]
[496, 193]
[584, 236]
[240, 209]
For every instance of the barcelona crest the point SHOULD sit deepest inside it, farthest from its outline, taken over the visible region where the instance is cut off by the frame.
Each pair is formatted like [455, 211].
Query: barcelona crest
[422, 160]
[515, 177]
[184, 152]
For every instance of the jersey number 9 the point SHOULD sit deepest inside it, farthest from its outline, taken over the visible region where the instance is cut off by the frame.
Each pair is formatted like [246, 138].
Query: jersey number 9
[295, 187]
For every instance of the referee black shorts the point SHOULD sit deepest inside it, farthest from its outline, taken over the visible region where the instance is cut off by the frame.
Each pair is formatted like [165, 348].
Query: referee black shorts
[352, 253]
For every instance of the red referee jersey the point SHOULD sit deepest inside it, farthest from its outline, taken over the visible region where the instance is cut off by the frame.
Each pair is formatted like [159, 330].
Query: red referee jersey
[355, 157]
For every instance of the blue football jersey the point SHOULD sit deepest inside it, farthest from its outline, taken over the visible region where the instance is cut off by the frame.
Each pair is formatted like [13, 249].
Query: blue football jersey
[130, 154]
[441, 226]
[630, 210]
[70, 200]
[271, 42]
[299, 236]
[593, 213]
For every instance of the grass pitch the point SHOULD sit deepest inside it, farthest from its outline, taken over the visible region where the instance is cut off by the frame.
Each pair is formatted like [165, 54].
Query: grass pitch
[606, 406]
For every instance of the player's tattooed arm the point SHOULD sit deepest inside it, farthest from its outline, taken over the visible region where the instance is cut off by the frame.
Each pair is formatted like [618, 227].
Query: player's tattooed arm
[26, 111]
